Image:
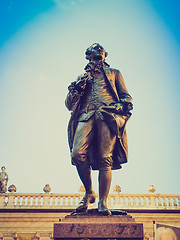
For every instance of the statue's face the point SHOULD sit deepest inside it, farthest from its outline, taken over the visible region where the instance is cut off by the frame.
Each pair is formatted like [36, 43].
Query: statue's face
[3, 168]
[97, 52]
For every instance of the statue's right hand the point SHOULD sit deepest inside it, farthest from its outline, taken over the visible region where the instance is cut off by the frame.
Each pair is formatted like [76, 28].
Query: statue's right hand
[81, 81]
[81, 84]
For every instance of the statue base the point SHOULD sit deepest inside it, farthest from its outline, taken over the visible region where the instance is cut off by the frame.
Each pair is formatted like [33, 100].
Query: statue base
[93, 226]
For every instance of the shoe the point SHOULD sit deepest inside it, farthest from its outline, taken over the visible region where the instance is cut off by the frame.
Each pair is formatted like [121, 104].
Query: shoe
[83, 205]
[103, 210]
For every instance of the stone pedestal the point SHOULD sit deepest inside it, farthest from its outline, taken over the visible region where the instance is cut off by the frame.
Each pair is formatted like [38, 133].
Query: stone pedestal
[98, 227]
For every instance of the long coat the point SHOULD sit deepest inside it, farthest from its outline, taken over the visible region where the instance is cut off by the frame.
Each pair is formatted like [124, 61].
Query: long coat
[116, 122]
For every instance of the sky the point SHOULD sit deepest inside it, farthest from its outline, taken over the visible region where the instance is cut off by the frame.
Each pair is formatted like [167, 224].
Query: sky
[42, 45]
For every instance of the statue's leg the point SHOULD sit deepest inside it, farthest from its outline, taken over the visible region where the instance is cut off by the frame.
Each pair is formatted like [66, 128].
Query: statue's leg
[107, 142]
[84, 172]
[105, 177]
[83, 136]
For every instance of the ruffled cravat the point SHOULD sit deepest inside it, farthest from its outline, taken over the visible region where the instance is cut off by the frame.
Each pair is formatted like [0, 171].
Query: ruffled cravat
[94, 67]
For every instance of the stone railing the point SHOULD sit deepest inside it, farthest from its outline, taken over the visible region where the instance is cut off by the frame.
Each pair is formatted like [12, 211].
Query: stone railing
[70, 201]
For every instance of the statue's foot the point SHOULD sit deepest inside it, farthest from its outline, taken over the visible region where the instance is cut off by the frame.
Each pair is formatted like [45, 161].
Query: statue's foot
[83, 205]
[103, 210]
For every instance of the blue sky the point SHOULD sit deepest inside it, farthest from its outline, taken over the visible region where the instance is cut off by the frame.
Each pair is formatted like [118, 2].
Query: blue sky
[42, 46]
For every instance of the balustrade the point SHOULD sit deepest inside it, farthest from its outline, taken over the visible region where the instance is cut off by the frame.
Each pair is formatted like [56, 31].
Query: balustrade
[65, 201]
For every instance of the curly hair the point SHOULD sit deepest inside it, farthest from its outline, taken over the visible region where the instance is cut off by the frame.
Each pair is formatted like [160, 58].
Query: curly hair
[89, 50]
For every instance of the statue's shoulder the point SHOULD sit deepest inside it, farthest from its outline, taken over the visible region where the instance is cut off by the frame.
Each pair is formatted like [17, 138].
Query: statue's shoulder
[115, 70]
[111, 70]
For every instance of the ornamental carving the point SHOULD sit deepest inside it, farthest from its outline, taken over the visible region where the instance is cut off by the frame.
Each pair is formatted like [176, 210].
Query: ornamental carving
[27, 237]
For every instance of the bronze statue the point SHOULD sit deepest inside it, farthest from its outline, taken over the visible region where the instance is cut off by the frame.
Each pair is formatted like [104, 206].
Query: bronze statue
[100, 105]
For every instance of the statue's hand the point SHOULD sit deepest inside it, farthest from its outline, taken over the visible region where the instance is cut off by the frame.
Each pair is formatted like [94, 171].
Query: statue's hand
[81, 81]
[81, 84]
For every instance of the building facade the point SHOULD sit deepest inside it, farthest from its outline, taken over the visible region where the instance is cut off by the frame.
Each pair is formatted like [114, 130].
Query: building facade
[32, 216]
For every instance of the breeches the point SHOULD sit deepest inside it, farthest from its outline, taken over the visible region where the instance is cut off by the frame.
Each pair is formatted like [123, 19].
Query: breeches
[93, 132]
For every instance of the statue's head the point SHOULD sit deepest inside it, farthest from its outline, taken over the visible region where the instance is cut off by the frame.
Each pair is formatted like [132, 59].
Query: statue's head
[96, 52]
[3, 168]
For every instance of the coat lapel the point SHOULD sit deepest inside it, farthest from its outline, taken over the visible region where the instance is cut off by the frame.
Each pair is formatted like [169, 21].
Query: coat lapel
[111, 81]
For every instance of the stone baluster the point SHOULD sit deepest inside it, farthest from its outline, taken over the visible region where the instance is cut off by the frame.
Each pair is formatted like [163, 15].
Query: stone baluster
[28, 201]
[58, 200]
[39, 201]
[74, 201]
[144, 201]
[137, 201]
[52, 201]
[34, 201]
[134, 203]
[11, 201]
[120, 201]
[124, 201]
[116, 200]
[2, 200]
[170, 201]
[46, 202]
[159, 201]
[148, 201]
[129, 201]
[23, 200]
[64, 201]
[18, 200]
[178, 201]
[174, 202]
[69, 201]
[141, 201]
[152, 201]
[164, 202]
